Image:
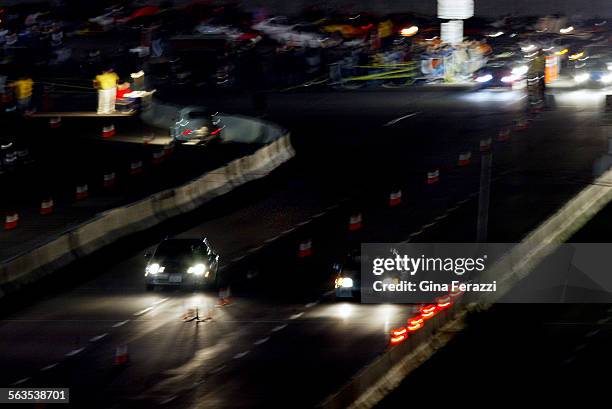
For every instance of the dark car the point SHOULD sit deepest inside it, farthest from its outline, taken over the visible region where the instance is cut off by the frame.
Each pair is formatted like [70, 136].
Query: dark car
[182, 262]
[501, 74]
[195, 124]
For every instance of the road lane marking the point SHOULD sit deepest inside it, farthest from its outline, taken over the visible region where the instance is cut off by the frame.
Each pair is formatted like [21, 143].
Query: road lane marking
[235, 259]
[119, 324]
[580, 347]
[97, 337]
[311, 304]
[218, 369]
[401, 118]
[427, 226]
[271, 239]
[160, 301]
[46, 368]
[590, 334]
[304, 223]
[19, 382]
[254, 249]
[242, 354]
[288, 231]
[328, 293]
[319, 215]
[444, 216]
[261, 341]
[168, 400]
[296, 316]
[74, 352]
[604, 320]
[278, 328]
[143, 311]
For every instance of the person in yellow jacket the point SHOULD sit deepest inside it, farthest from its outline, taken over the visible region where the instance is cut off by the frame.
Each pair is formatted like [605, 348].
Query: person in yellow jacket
[23, 92]
[106, 83]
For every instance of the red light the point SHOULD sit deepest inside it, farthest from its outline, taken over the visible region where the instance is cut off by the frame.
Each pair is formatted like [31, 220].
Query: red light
[428, 311]
[456, 293]
[216, 131]
[367, 27]
[188, 132]
[444, 302]
[415, 324]
[428, 308]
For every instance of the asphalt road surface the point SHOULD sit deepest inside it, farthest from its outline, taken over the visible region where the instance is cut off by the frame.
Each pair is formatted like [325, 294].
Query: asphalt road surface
[283, 340]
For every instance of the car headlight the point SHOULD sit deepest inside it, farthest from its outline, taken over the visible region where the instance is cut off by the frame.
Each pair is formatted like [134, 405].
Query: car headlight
[580, 78]
[153, 268]
[484, 78]
[606, 79]
[198, 269]
[520, 71]
[344, 282]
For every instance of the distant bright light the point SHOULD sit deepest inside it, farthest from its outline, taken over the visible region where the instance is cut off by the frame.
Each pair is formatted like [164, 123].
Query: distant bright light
[566, 30]
[576, 56]
[580, 78]
[562, 52]
[484, 78]
[606, 79]
[409, 31]
[528, 48]
[495, 35]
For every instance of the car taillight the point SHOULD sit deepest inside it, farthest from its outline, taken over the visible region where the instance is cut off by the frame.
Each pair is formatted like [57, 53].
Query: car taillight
[216, 131]
[188, 132]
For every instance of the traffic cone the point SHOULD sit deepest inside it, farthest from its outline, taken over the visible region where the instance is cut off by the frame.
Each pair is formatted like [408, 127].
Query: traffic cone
[169, 149]
[465, 158]
[305, 248]
[109, 180]
[46, 206]
[485, 145]
[136, 167]
[521, 124]
[55, 123]
[82, 192]
[108, 131]
[355, 222]
[433, 177]
[224, 296]
[395, 198]
[504, 135]
[11, 220]
[121, 355]
[158, 157]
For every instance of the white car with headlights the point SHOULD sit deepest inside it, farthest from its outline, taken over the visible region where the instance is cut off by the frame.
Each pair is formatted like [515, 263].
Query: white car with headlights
[596, 73]
[182, 262]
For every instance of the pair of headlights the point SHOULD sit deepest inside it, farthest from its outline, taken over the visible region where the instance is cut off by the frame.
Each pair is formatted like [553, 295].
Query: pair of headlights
[584, 77]
[198, 269]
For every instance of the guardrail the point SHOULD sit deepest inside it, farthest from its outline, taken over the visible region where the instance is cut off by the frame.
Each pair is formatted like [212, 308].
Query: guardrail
[113, 224]
[375, 381]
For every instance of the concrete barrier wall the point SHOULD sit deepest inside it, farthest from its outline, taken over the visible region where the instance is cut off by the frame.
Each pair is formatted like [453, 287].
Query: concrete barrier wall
[113, 224]
[383, 375]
